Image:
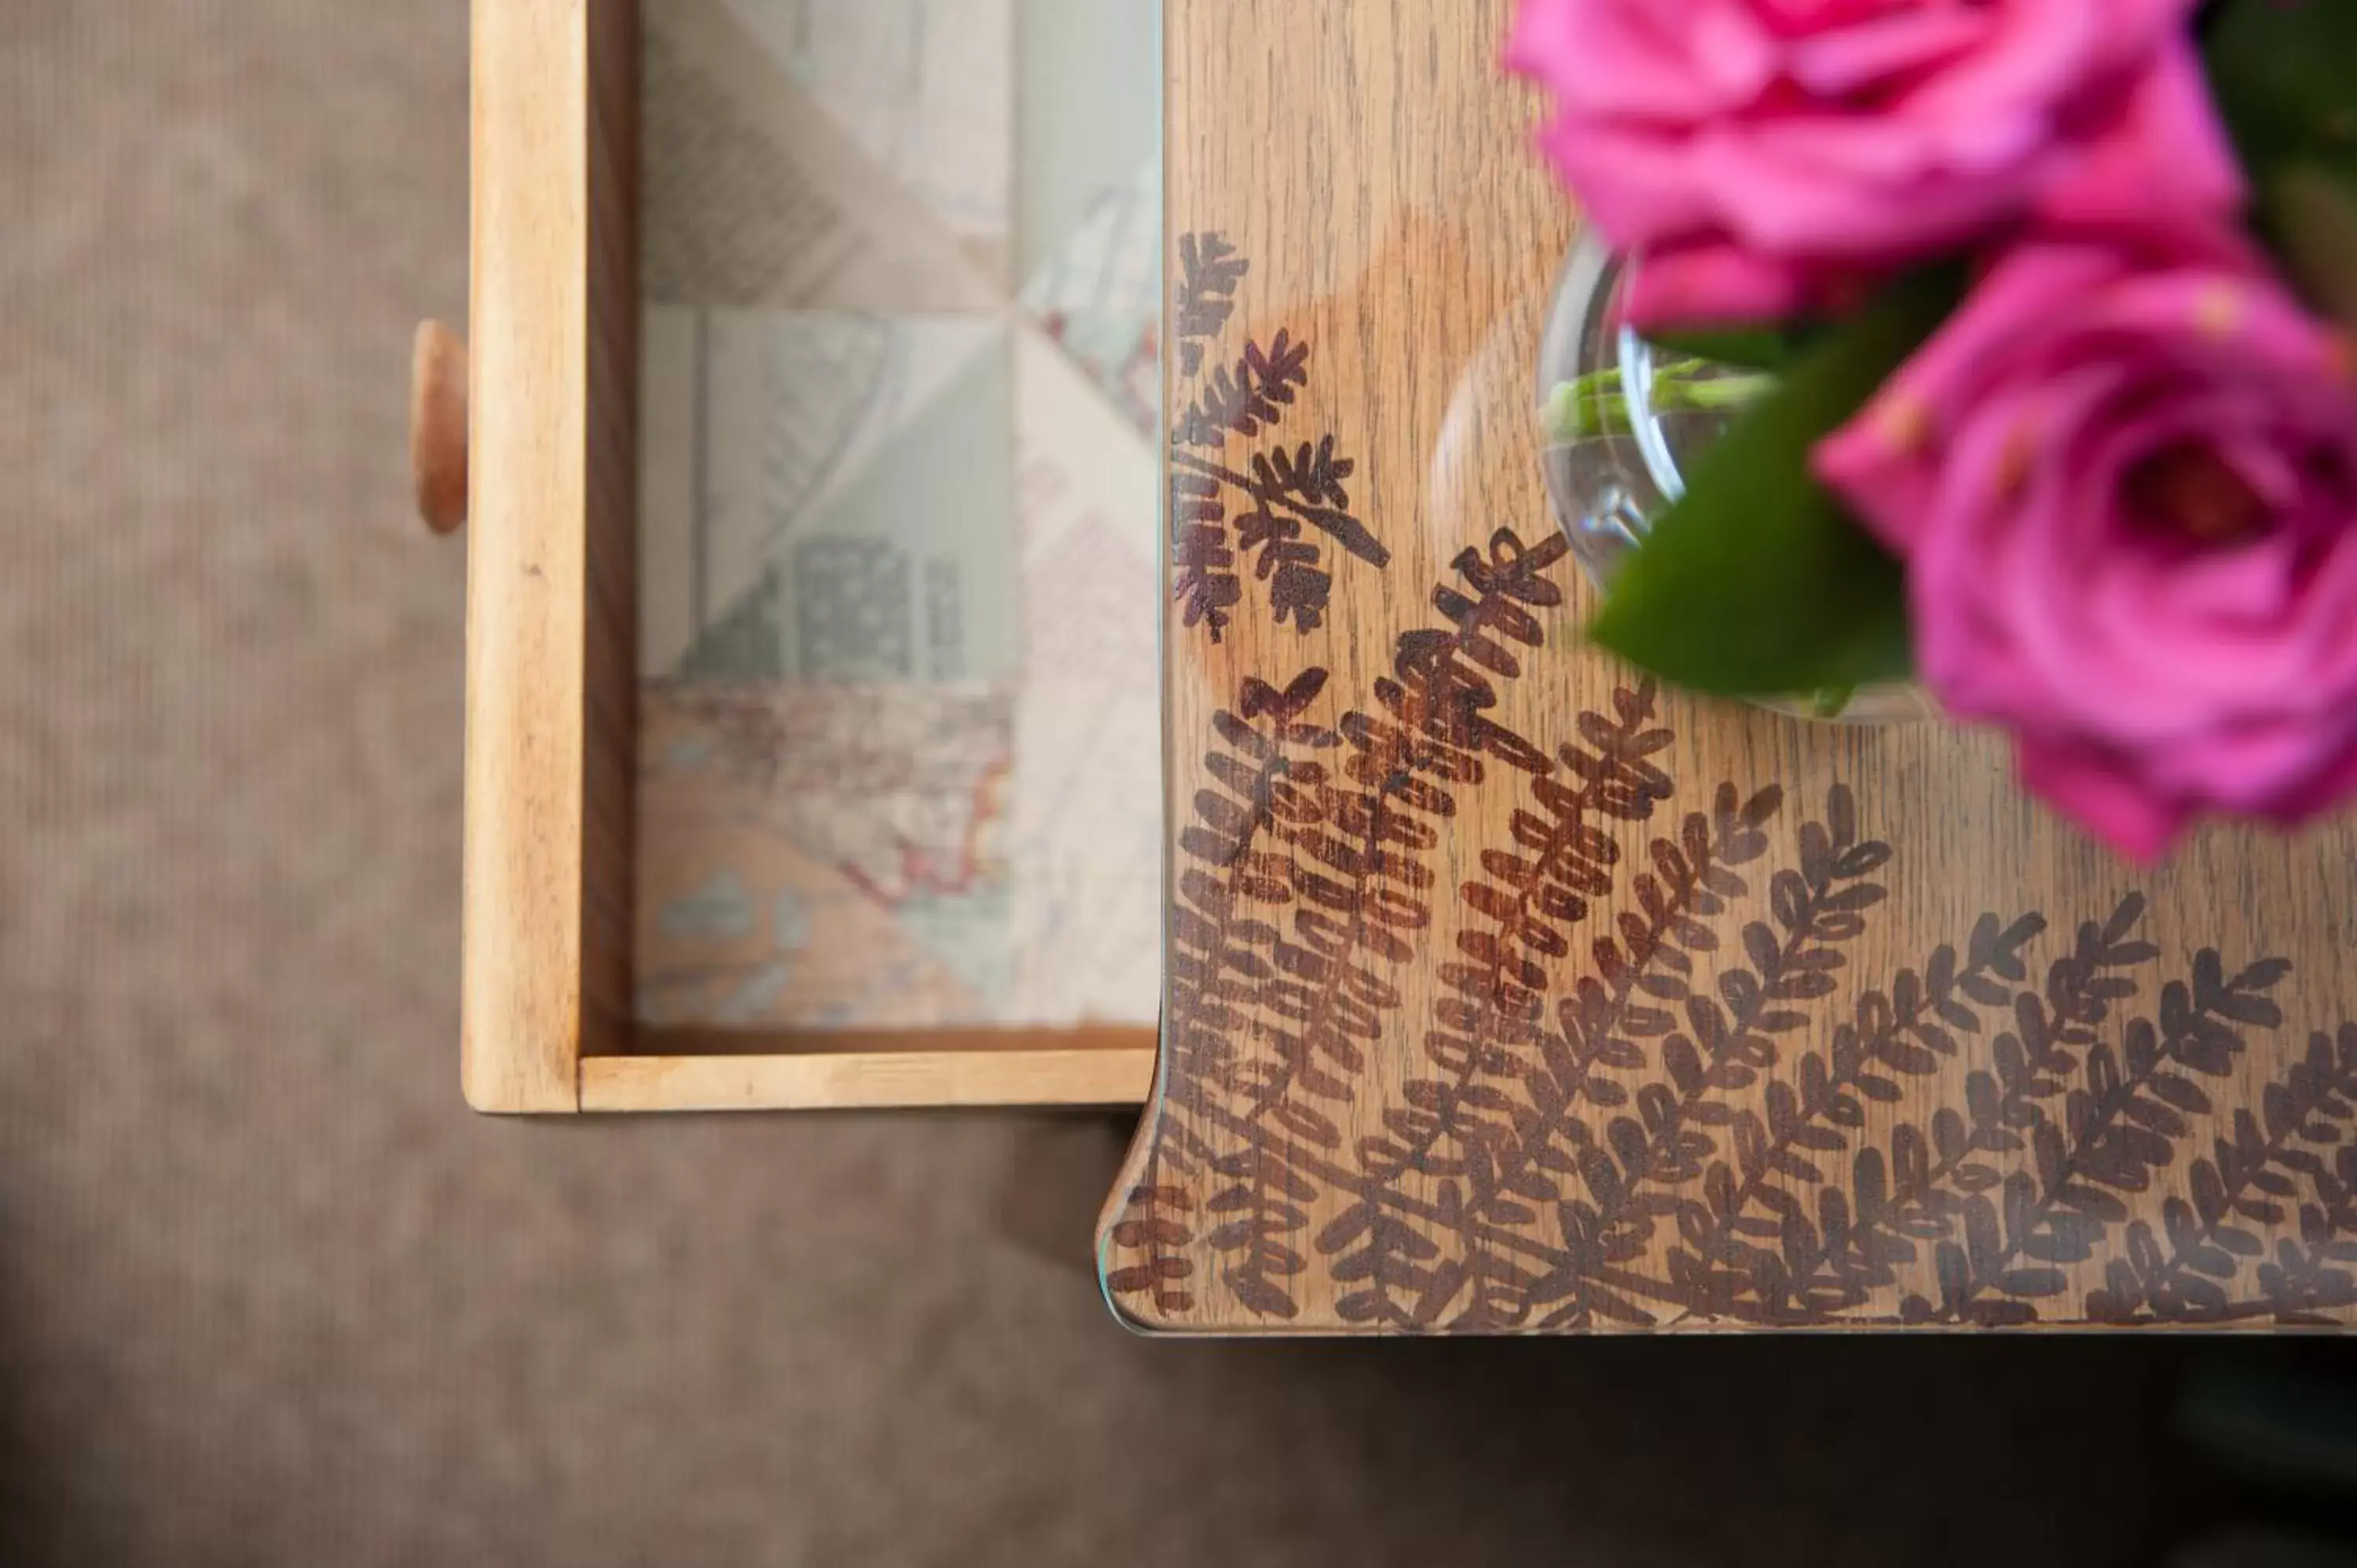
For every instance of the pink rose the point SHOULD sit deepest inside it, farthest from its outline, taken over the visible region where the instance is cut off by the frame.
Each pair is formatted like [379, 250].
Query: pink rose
[1765, 156]
[2126, 490]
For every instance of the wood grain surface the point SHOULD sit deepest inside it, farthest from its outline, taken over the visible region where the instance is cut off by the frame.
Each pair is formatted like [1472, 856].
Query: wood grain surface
[1044, 1071]
[548, 590]
[1507, 992]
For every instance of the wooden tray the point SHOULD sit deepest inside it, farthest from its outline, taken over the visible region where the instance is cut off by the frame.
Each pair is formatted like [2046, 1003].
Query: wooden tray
[551, 730]
[1508, 993]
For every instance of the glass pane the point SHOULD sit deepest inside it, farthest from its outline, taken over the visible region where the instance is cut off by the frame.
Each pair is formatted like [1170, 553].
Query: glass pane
[1509, 991]
[899, 762]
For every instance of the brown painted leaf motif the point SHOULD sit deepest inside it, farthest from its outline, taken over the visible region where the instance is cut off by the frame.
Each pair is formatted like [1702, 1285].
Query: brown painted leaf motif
[1324, 830]
[1649, 1085]
[1672, 1118]
[1273, 509]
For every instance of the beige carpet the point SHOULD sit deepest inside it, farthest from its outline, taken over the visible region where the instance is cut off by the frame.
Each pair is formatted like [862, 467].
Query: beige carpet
[270, 1295]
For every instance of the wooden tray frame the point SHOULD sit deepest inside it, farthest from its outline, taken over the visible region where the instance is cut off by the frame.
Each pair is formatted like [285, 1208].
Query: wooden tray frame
[545, 1012]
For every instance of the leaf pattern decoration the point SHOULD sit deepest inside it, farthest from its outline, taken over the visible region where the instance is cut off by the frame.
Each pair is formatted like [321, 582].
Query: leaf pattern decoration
[1150, 1238]
[1306, 882]
[1758, 1233]
[1241, 398]
[1685, 1109]
[1209, 271]
[1276, 505]
[1479, 1021]
[2291, 1162]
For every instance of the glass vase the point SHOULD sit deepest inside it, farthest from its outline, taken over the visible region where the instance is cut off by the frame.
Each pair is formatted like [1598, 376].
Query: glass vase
[1615, 456]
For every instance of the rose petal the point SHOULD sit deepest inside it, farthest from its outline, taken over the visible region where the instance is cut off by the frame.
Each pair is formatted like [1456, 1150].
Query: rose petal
[2150, 674]
[2329, 788]
[1875, 460]
[1854, 136]
[1611, 59]
[2166, 143]
[1846, 59]
[1630, 184]
[2268, 767]
[2035, 51]
[1704, 283]
[2109, 802]
[1832, 186]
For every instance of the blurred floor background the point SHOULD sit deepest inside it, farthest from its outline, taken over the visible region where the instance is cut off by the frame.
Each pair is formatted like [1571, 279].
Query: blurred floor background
[270, 1295]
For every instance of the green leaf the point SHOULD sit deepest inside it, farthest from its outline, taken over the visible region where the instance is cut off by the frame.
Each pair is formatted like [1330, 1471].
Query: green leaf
[2311, 215]
[1759, 583]
[2284, 74]
[1766, 348]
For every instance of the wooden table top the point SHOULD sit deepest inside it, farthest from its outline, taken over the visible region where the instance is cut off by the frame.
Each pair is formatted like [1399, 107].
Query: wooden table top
[1508, 992]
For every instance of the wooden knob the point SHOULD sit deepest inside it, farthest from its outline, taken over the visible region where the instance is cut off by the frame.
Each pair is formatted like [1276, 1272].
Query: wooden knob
[438, 426]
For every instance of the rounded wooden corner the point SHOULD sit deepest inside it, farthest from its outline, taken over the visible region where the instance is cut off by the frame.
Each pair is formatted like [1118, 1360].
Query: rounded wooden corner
[497, 1079]
[1141, 1314]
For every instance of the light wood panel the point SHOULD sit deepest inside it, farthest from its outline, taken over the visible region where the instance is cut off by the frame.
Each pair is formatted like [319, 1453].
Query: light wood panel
[548, 724]
[866, 1079]
[611, 817]
[1507, 992]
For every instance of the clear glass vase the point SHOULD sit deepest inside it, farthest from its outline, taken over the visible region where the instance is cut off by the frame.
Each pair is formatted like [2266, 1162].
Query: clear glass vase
[1618, 462]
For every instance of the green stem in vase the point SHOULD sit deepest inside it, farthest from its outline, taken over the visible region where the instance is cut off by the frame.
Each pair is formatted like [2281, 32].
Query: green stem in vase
[1597, 404]
[1831, 701]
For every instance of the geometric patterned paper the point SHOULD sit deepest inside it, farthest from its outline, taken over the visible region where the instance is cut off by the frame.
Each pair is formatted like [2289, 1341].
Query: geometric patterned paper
[900, 755]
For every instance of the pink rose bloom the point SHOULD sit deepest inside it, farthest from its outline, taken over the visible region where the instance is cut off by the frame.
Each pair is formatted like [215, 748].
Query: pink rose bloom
[1765, 156]
[2124, 486]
